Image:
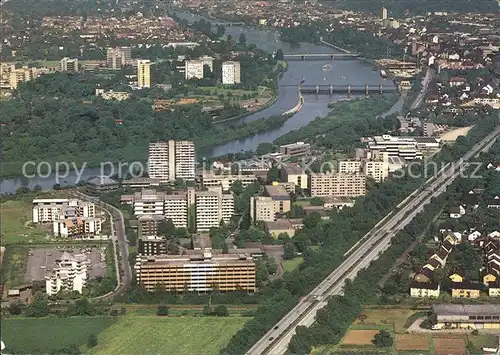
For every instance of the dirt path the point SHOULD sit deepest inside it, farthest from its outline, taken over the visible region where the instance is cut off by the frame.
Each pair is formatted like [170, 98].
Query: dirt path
[452, 136]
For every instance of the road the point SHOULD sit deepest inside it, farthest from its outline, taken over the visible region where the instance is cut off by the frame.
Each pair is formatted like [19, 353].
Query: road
[425, 82]
[119, 241]
[276, 341]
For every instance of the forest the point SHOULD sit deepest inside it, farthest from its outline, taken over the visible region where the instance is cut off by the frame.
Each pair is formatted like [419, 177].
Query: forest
[336, 236]
[58, 118]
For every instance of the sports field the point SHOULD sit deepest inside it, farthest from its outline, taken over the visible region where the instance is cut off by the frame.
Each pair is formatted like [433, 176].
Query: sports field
[41, 336]
[167, 335]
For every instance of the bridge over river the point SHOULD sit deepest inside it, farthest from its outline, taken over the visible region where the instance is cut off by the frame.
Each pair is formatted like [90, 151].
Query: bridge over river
[348, 89]
[320, 56]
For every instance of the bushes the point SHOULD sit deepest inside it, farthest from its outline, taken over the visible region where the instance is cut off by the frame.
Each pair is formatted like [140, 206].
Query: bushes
[162, 310]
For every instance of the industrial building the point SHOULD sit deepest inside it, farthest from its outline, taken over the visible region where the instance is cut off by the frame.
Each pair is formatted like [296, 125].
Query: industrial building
[467, 316]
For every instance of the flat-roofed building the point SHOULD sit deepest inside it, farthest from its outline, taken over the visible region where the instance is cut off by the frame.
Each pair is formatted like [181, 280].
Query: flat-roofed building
[350, 166]
[409, 148]
[193, 69]
[148, 224]
[338, 202]
[148, 202]
[177, 209]
[54, 209]
[70, 274]
[172, 160]
[276, 201]
[143, 73]
[152, 245]
[21, 75]
[468, 316]
[280, 226]
[298, 149]
[77, 226]
[212, 207]
[101, 184]
[141, 183]
[199, 272]
[68, 64]
[337, 184]
[211, 180]
[293, 173]
[377, 169]
[231, 73]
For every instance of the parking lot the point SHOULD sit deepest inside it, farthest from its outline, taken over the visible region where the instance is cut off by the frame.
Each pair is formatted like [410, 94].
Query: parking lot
[43, 260]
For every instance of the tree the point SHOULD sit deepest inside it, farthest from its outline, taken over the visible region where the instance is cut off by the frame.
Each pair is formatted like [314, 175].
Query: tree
[221, 30]
[383, 339]
[39, 307]
[162, 310]
[243, 39]
[83, 307]
[15, 308]
[207, 310]
[166, 228]
[221, 311]
[290, 251]
[273, 174]
[279, 54]
[316, 201]
[92, 341]
[225, 249]
[311, 220]
[264, 148]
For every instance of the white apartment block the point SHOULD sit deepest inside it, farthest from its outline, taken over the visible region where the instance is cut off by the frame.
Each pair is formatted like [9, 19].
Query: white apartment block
[211, 180]
[68, 64]
[54, 209]
[231, 73]
[70, 274]
[148, 202]
[211, 207]
[378, 170]
[177, 210]
[168, 161]
[207, 60]
[193, 69]
[337, 184]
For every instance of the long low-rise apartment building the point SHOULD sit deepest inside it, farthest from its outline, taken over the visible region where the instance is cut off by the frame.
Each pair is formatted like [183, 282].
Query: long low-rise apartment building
[198, 272]
[337, 184]
[409, 148]
[53, 209]
[226, 181]
[78, 226]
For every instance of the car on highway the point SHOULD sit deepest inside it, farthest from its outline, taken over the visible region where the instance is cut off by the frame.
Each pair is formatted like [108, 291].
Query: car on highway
[271, 338]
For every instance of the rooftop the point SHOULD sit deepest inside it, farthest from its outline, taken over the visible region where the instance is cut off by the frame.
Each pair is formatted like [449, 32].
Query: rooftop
[276, 191]
[293, 169]
[280, 224]
[466, 309]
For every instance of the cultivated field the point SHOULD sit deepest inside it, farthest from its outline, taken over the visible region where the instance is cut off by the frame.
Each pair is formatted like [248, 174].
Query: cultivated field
[385, 317]
[41, 336]
[406, 342]
[359, 337]
[133, 335]
[16, 216]
[447, 345]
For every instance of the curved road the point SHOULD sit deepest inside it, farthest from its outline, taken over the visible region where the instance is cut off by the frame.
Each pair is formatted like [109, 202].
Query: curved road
[119, 238]
[276, 341]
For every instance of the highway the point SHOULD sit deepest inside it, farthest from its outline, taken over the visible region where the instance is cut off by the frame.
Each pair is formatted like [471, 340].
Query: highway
[276, 341]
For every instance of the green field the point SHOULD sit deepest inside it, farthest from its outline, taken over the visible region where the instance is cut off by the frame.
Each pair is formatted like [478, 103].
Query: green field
[37, 336]
[16, 216]
[134, 335]
[290, 265]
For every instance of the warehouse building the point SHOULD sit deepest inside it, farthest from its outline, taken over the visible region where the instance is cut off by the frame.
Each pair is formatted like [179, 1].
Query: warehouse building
[468, 316]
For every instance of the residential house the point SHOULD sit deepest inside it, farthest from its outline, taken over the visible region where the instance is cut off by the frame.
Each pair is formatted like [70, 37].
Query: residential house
[456, 212]
[424, 289]
[490, 277]
[465, 290]
[494, 289]
[473, 236]
[494, 203]
[425, 275]
[433, 264]
[456, 277]
[457, 81]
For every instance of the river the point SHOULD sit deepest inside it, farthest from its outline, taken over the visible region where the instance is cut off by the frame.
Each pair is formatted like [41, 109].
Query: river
[341, 72]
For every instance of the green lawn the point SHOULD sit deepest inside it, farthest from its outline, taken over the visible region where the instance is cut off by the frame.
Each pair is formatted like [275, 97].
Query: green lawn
[134, 335]
[14, 264]
[290, 265]
[483, 341]
[38, 336]
[16, 215]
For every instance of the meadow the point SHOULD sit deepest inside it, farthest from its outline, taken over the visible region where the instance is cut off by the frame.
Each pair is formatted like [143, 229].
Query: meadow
[133, 335]
[38, 336]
